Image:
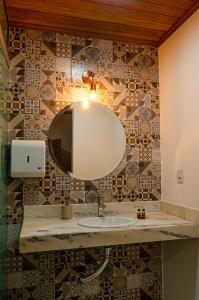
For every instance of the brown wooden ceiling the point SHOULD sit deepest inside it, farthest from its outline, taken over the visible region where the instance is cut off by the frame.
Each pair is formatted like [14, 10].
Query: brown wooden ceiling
[144, 21]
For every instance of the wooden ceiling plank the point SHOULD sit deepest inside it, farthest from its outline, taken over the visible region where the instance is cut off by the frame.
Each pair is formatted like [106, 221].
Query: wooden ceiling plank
[151, 21]
[41, 18]
[95, 12]
[144, 25]
[183, 4]
[143, 6]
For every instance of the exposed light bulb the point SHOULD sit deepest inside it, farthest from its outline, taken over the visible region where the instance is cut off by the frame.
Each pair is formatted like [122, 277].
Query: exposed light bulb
[93, 95]
[85, 104]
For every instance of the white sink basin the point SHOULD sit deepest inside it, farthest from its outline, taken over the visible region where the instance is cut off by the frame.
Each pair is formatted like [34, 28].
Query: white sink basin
[106, 222]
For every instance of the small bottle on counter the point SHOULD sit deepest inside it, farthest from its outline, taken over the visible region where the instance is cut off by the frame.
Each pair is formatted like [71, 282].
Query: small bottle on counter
[67, 212]
[141, 213]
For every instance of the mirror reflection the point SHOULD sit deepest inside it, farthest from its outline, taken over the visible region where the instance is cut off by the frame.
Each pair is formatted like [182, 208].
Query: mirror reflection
[87, 141]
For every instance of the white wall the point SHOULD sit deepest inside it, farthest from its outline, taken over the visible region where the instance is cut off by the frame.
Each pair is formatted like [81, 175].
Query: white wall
[179, 100]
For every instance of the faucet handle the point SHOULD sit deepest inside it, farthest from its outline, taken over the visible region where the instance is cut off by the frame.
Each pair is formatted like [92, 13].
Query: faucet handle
[102, 205]
[101, 212]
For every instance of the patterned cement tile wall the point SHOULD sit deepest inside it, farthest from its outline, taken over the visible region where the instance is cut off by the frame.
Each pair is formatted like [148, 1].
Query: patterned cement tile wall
[133, 273]
[45, 76]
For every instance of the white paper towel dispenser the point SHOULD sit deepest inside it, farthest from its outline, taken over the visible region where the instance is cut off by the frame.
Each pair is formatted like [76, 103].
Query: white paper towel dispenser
[27, 158]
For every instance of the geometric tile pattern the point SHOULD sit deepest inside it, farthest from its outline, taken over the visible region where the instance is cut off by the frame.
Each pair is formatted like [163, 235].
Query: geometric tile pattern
[133, 272]
[45, 75]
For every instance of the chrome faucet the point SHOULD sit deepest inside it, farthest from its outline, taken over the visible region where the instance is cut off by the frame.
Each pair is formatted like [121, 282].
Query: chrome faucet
[101, 207]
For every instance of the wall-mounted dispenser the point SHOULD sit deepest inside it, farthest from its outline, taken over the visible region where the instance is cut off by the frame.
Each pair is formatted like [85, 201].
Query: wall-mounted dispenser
[27, 158]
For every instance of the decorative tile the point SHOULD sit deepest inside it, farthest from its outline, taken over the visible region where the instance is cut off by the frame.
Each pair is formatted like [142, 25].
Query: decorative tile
[77, 197]
[92, 196]
[63, 50]
[14, 263]
[77, 185]
[16, 98]
[92, 54]
[145, 61]
[33, 46]
[32, 92]
[48, 63]
[133, 195]
[31, 193]
[14, 280]
[106, 183]
[132, 168]
[14, 215]
[145, 152]
[119, 195]
[48, 45]
[119, 182]
[92, 185]
[144, 196]
[32, 128]
[48, 92]
[17, 65]
[15, 193]
[117, 70]
[62, 183]
[80, 41]
[15, 294]
[132, 128]
[13, 232]
[92, 288]
[78, 69]
[105, 56]
[15, 126]
[132, 141]
[106, 195]
[132, 52]
[32, 106]
[119, 52]
[47, 184]
[62, 79]
[32, 75]
[17, 41]
[45, 76]
[63, 38]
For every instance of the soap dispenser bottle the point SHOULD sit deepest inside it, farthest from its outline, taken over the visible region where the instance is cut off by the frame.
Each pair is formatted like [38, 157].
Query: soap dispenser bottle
[67, 212]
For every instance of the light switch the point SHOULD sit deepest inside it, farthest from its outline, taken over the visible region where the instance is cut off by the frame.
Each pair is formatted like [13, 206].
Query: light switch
[180, 176]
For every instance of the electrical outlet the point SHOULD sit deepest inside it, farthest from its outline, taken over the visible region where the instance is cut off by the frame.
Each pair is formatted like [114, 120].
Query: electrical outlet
[180, 176]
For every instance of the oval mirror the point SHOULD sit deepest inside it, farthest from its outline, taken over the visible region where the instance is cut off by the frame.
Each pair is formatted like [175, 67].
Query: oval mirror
[87, 142]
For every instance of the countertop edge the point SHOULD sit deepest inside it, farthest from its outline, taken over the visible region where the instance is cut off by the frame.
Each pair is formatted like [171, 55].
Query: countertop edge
[108, 238]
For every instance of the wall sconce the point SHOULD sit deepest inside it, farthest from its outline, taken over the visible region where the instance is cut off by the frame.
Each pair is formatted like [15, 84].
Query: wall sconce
[88, 78]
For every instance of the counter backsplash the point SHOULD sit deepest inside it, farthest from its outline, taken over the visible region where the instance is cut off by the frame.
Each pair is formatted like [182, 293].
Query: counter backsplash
[45, 75]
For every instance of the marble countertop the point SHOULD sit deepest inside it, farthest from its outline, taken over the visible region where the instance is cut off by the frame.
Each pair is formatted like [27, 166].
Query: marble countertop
[44, 230]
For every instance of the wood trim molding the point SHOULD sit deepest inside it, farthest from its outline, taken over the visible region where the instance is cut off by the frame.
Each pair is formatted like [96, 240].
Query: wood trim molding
[181, 21]
[4, 45]
[89, 34]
